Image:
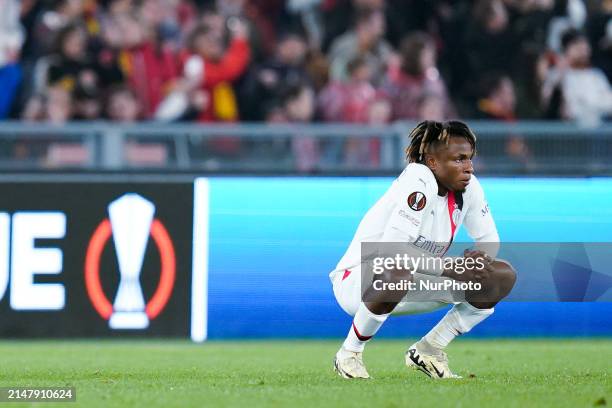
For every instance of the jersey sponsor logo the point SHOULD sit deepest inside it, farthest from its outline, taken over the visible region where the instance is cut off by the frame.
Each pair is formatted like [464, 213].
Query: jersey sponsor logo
[415, 221]
[429, 246]
[417, 201]
[485, 210]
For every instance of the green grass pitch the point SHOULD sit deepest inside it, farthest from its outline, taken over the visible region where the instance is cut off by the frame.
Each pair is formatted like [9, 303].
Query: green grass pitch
[500, 373]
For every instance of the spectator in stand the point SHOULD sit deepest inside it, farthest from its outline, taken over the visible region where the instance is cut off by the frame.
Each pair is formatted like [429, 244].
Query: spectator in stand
[380, 110]
[599, 29]
[498, 102]
[220, 68]
[417, 77]
[29, 17]
[70, 65]
[11, 39]
[66, 35]
[406, 16]
[274, 113]
[317, 67]
[123, 105]
[361, 153]
[491, 45]
[353, 101]
[530, 20]
[117, 7]
[535, 68]
[261, 32]
[87, 104]
[265, 81]
[498, 98]
[59, 107]
[149, 67]
[54, 106]
[585, 90]
[337, 15]
[349, 100]
[33, 111]
[568, 14]
[59, 14]
[166, 18]
[186, 101]
[298, 102]
[365, 39]
[431, 107]
[142, 44]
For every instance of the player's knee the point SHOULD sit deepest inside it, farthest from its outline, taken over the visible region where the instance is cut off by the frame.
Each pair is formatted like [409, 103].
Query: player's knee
[506, 277]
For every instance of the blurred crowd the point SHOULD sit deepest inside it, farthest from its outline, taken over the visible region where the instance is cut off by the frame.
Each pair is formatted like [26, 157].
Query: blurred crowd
[299, 61]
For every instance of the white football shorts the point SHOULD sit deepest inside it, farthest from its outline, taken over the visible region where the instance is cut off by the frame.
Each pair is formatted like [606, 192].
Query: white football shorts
[347, 290]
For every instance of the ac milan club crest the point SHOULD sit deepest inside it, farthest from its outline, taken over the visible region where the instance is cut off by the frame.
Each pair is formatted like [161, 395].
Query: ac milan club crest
[417, 201]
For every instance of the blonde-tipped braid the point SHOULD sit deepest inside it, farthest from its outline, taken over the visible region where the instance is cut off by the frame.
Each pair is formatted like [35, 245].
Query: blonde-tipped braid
[427, 133]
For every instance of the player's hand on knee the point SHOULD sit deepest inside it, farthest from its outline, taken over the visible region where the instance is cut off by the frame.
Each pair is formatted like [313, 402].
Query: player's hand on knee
[481, 268]
[484, 270]
[476, 253]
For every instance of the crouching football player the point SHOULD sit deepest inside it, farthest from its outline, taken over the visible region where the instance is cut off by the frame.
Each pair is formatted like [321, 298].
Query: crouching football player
[434, 195]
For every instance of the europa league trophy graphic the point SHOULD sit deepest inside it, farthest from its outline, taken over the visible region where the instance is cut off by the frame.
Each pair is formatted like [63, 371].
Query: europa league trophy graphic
[130, 217]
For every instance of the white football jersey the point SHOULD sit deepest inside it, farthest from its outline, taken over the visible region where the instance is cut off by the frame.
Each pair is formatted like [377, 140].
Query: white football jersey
[412, 211]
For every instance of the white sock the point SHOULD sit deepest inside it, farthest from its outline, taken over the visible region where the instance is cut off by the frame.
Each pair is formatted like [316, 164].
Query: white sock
[365, 325]
[459, 320]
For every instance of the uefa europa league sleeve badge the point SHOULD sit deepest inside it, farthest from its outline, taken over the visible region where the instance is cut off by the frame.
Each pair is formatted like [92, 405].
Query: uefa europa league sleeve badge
[131, 216]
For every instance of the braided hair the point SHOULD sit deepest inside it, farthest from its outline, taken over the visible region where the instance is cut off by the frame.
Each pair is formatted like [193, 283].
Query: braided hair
[430, 133]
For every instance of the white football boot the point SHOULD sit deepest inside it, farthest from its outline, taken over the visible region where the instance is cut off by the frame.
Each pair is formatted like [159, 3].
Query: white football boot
[349, 364]
[434, 365]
